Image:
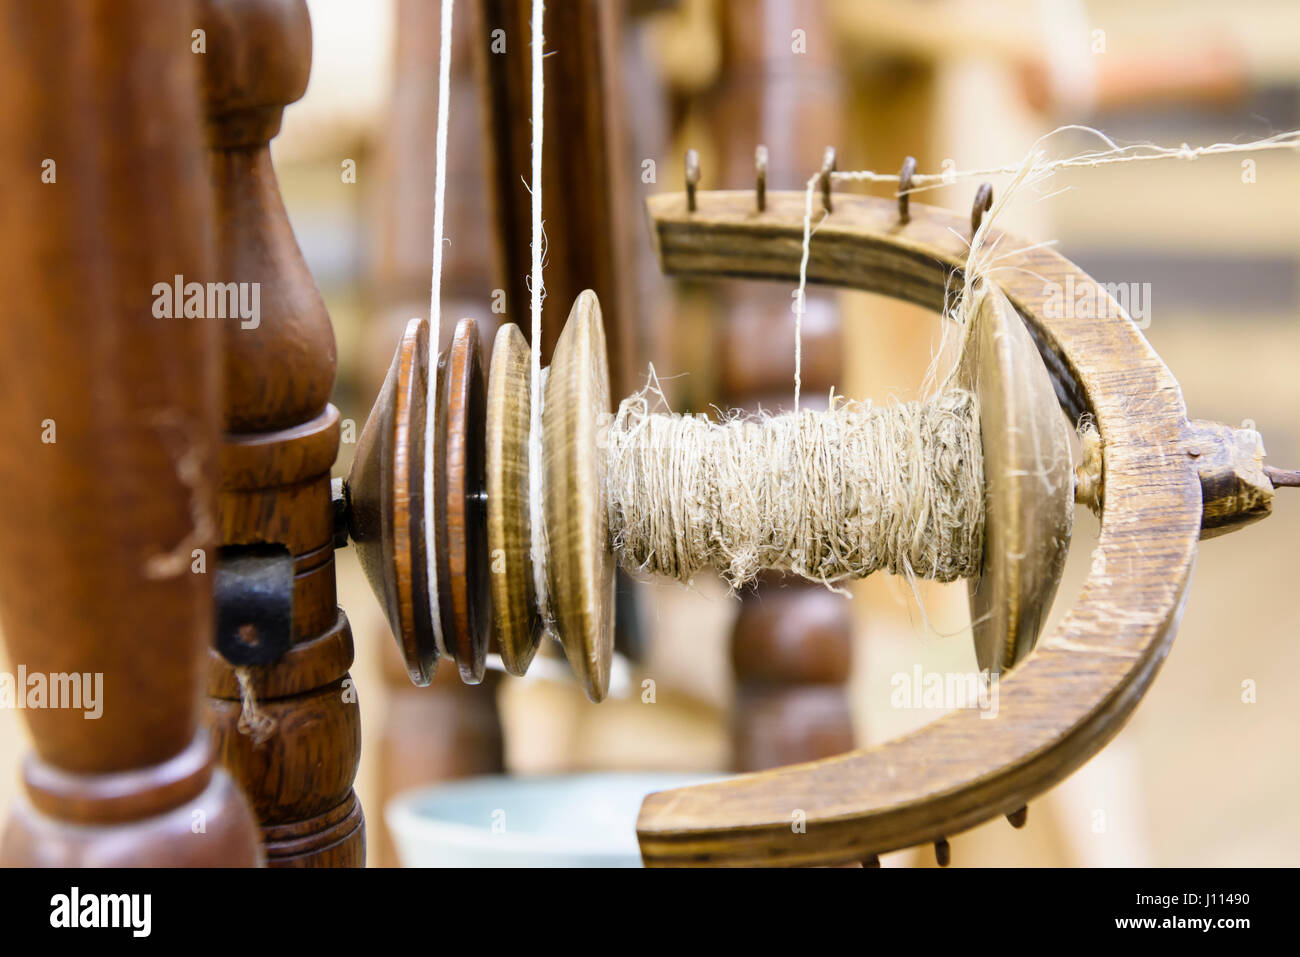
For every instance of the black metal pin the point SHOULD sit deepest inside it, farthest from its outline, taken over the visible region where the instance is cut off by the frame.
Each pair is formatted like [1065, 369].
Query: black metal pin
[692, 177]
[983, 202]
[905, 184]
[828, 167]
[943, 852]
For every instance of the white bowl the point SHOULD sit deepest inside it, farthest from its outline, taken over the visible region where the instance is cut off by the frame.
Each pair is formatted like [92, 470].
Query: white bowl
[578, 820]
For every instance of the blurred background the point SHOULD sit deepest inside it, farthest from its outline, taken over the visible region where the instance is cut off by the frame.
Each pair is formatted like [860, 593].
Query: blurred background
[1201, 775]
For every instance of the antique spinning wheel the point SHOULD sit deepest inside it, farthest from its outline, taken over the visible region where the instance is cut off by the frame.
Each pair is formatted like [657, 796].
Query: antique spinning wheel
[158, 470]
[1167, 483]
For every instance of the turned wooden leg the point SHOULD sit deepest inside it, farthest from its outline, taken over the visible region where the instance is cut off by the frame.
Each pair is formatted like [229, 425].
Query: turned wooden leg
[109, 415]
[284, 707]
[792, 641]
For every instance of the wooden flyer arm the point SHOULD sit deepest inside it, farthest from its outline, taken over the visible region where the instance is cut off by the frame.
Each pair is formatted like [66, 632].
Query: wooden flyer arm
[1071, 696]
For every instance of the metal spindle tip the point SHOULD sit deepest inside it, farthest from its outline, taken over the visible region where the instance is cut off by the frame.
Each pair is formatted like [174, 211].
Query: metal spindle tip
[1282, 478]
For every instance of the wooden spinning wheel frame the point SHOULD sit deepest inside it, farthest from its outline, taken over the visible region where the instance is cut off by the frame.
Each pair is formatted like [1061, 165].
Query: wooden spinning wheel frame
[123, 491]
[1165, 478]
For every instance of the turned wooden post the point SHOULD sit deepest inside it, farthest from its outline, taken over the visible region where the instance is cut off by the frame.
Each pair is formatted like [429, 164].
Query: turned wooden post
[584, 173]
[109, 416]
[281, 438]
[791, 646]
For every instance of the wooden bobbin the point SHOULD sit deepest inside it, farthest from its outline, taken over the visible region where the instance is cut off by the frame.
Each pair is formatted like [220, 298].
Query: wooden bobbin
[1027, 477]
[482, 520]
[1025, 439]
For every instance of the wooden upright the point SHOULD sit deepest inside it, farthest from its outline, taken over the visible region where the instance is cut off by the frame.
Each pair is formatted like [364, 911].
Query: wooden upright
[281, 438]
[108, 420]
[792, 644]
[584, 174]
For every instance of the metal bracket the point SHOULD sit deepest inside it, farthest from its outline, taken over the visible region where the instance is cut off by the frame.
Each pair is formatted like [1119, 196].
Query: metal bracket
[253, 591]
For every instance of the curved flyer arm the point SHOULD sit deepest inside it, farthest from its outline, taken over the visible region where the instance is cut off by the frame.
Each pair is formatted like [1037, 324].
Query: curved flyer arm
[1071, 696]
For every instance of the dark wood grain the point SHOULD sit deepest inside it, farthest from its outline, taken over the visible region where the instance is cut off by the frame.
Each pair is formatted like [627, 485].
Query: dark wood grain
[460, 507]
[109, 515]
[584, 175]
[386, 503]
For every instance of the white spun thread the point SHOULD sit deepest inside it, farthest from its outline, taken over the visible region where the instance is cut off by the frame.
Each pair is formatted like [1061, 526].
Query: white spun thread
[826, 495]
[536, 487]
[801, 296]
[435, 317]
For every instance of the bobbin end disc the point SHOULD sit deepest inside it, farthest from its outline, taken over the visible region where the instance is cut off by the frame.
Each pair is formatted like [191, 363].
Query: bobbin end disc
[1028, 481]
[580, 573]
[386, 492]
[509, 542]
[459, 510]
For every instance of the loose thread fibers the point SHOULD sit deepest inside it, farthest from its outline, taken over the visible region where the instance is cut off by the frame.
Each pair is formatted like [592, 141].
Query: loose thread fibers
[1088, 476]
[826, 495]
[252, 721]
[1032, 172]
